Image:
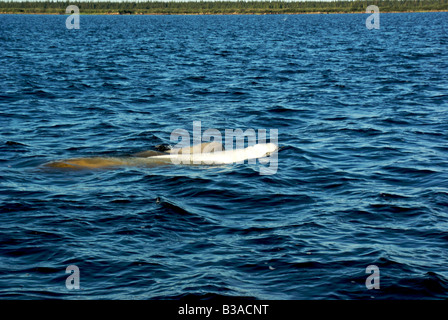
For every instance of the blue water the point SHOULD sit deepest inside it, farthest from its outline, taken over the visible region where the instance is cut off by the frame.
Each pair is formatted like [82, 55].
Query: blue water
[362, 177]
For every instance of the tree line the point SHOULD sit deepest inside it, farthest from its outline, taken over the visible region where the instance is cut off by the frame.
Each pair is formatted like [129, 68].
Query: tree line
[221, 7]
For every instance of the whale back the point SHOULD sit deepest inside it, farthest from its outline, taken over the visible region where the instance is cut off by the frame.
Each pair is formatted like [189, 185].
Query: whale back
[205, 147]
[221, 157]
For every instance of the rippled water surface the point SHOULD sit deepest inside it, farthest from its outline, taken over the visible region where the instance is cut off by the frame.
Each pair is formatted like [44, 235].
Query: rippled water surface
[362, 178]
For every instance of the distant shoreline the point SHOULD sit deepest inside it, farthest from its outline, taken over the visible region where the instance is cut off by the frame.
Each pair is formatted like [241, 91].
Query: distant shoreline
[219, 7]
[214, 14]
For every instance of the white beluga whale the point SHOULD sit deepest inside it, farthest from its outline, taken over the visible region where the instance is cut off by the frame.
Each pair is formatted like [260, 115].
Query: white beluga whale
[218, 157]
[210, 153]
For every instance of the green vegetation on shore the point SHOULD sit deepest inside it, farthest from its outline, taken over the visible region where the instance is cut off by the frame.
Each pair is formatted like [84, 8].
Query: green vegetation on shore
[221, 7]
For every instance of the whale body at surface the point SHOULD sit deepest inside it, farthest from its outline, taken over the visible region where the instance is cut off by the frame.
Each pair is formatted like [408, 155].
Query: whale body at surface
[206, 153]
